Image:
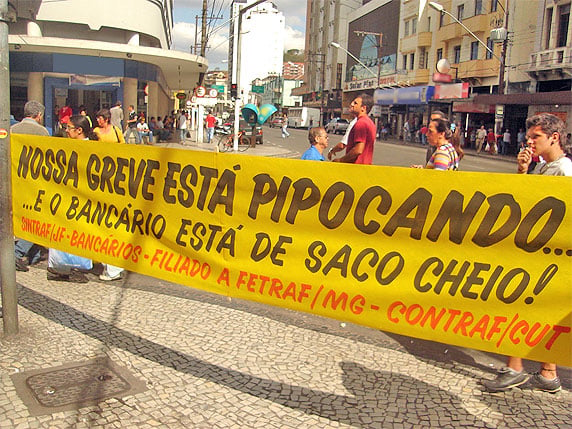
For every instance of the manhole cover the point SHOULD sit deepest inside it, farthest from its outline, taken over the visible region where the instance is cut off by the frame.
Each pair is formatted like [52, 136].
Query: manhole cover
[74, 385]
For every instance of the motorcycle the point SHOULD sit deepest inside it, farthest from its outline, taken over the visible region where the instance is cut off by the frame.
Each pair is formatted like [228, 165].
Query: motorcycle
[224, 129]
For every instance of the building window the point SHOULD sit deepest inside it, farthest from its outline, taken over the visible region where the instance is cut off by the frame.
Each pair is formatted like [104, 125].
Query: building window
[474, 50]
[412, 61]
[414, 26]
[428, 23]
[339, 75]
[548, 30]
[423, 56]
[441, 19]
[478, 7]
[460, 12]
[563, 22]
[439, 54]
[494, 5]
[491, 46]
[406, 29]
[457, 54]
[404, 61]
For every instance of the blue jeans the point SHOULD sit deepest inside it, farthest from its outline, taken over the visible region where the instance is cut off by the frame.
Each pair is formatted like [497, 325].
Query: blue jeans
[149, 135]
[128, 134]
[25, 248]
[210, 134]
[182, 134]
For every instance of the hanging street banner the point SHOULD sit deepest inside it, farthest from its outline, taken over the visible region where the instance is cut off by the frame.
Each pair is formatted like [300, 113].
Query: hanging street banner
[475, 260]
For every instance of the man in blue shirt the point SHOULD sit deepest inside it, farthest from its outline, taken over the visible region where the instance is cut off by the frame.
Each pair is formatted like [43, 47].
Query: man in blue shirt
[318, 138]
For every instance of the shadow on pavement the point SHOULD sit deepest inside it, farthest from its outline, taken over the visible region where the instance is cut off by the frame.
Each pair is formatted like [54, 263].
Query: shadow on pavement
[374, 393]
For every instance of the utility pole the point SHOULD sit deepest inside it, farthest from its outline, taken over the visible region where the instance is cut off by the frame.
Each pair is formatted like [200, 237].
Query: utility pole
[7, 263]
[503, 51]
[204, 30]
[322, 62]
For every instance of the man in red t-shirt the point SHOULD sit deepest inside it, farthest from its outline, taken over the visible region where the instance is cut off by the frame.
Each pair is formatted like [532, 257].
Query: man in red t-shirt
[361, 139]
[210, 122]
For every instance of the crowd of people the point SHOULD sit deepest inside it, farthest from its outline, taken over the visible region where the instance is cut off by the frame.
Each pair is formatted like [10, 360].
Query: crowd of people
[136, 125]
[545, 149]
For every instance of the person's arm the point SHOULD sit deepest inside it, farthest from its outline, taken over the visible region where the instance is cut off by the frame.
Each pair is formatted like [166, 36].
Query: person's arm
[353, 154]
[335, 149]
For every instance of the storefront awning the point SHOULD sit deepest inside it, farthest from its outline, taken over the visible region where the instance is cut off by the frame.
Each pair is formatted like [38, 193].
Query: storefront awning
[410, 95]
[469, 107]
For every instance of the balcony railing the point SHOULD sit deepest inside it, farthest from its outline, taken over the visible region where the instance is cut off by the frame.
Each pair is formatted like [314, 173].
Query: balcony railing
[550, 59]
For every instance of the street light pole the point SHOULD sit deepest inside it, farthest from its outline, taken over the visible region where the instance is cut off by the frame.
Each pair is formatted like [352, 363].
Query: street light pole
[338, 46]
[503, 51]
[238, 100]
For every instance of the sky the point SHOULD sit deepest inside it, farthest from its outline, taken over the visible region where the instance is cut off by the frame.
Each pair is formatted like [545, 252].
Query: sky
[184, 13]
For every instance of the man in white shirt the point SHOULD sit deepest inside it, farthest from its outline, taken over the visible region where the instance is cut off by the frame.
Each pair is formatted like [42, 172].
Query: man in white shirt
[143, 130]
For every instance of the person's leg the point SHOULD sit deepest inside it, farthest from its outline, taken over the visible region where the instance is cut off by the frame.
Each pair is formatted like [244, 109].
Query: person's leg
[127, 134]
[22, 248]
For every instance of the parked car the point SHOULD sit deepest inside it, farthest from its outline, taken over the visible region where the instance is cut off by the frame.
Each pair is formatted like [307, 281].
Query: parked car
[337, 126]
[276, 122]
[247, 130]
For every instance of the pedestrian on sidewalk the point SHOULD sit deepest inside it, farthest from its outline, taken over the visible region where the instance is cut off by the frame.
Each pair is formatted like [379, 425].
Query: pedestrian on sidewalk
[505, 142]
[182, 126]
[491, 142]
[210, 122]
[546, 139]
[131, 125]
[481, 136]
[285, 132]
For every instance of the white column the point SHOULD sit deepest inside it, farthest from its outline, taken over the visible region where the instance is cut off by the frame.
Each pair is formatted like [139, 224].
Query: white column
[36, 87]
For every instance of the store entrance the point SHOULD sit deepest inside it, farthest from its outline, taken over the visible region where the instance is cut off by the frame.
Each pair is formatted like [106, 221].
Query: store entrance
[92, 100]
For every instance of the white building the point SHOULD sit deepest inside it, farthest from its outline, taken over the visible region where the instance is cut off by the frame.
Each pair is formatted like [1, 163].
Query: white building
[261, 43]
[93, 54]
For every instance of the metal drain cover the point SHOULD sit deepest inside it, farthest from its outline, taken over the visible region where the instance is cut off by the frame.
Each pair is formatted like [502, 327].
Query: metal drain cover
[74, 385]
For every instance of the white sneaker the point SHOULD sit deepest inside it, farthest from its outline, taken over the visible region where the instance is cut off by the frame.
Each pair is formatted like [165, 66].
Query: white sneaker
[107, 278]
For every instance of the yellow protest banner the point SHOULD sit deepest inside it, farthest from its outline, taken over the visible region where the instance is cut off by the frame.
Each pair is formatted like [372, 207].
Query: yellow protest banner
[476, 260]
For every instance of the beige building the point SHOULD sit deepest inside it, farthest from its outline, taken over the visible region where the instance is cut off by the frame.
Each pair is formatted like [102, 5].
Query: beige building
[393, 47]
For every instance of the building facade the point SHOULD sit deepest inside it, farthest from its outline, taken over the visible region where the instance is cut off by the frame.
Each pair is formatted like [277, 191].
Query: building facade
[506, 61]
[71, 52]
[326, 22]
[261, 41]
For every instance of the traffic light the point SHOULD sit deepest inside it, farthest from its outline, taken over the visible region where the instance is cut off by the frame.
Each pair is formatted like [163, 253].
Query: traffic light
[233, 90]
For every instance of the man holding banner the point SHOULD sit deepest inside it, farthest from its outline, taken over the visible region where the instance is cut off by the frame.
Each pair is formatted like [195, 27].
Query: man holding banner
[545, 138]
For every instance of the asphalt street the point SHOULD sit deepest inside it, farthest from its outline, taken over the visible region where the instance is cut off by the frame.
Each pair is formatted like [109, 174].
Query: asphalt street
[206, 361]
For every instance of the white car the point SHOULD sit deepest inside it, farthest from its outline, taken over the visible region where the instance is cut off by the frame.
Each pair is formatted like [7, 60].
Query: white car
[337, 126]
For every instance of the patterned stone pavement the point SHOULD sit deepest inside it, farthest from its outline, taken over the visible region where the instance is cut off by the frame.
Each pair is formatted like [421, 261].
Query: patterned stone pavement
[212, 362]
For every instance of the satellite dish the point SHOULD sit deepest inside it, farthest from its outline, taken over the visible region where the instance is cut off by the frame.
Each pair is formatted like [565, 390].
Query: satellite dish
[443, 66]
